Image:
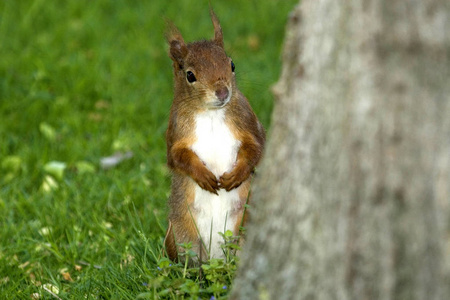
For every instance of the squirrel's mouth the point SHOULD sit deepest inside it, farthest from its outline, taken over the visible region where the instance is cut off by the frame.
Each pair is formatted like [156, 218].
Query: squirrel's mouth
[219, 104]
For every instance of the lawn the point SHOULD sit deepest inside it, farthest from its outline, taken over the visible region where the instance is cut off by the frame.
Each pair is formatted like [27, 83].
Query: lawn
[81, 81]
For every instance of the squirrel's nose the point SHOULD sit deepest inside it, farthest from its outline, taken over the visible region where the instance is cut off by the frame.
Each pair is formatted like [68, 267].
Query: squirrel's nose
[222, 93]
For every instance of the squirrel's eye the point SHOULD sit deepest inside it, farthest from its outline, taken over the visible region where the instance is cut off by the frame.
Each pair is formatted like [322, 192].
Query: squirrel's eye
[232, 67]
[190, 77]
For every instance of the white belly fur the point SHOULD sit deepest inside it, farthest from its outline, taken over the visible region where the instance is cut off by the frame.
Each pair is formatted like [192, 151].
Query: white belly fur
[217, 148]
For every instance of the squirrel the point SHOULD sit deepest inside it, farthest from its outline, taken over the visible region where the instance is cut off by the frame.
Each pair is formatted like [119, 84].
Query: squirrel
[214, 141]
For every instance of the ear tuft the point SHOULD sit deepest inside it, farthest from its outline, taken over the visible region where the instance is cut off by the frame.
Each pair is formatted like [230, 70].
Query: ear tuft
[178, 49]
[218, 35]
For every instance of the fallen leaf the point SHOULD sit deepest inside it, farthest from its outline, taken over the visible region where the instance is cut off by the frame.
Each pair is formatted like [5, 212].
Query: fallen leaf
[49, 184]
[55, 168]
[111, 161]
[53, 290]
[35, 296]
[253, 42]
[22, 266]
[34, 281]
[97, 117]
[12, 163]
[47, 131]
[84, 167]
[4, 280]
[67, 277]
[102, 104]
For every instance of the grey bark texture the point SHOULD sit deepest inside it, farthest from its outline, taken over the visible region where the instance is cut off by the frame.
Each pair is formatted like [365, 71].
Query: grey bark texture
[352, 200]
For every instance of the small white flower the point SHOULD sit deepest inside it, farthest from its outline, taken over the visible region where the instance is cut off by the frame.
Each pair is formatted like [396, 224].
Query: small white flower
[44, 231]
[107, 225]
[35, 296]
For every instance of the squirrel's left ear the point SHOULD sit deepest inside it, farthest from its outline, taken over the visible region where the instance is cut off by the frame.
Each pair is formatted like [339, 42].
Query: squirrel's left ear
[218, 36]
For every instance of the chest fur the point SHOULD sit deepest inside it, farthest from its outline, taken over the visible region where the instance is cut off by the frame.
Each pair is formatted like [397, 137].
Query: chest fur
[215, 144]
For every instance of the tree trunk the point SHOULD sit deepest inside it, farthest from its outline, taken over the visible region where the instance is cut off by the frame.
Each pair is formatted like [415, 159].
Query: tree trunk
[352, 200]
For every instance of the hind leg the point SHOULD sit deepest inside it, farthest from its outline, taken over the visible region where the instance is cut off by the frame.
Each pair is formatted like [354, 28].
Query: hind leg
[183, 230]
[243, 213]
[170, 244]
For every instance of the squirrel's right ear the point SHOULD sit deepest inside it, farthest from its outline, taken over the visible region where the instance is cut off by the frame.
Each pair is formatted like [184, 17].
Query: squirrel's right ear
[178, 49]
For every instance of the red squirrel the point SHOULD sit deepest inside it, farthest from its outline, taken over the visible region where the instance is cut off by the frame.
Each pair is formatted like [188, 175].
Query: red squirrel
[214, 141]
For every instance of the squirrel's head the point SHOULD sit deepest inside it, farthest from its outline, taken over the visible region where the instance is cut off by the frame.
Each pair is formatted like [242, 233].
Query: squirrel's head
[203, 71]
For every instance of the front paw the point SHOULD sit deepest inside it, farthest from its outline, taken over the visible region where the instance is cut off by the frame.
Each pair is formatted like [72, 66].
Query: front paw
[234, 179]
[206, 180]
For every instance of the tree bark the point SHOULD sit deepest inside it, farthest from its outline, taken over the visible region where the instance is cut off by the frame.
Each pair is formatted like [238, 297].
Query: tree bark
[352, 200]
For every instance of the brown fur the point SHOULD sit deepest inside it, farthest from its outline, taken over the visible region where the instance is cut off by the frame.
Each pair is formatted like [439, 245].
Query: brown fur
[211, 66]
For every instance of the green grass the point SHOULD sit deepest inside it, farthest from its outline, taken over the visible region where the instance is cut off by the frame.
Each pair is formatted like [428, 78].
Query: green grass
[81, 80]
